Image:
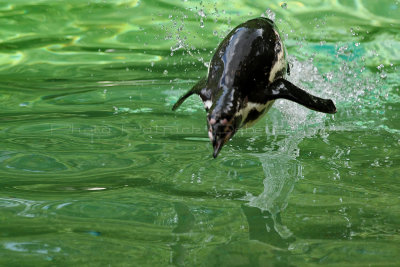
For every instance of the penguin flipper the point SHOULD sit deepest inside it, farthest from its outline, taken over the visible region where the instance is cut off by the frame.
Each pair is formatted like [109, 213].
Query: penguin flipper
[196, 89]
[282, 88]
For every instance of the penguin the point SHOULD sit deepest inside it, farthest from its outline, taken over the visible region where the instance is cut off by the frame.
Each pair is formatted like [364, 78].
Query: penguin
[245, 77]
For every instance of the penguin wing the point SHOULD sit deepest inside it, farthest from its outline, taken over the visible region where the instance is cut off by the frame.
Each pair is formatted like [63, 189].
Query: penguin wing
[196, 89]
[282, 88]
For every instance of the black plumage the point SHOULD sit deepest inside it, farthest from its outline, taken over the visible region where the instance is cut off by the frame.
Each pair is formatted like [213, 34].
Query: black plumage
[245, 77]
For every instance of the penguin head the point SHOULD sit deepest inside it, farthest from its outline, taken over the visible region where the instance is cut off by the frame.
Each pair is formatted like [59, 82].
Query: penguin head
[223, 119]
[220, 130]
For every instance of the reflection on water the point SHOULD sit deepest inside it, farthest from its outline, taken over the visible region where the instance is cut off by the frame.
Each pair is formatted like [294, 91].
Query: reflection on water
[281, 173]
[263, 212]
[185, 224]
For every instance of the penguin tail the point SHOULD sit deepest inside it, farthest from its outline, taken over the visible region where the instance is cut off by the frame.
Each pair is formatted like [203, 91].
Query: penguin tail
[181, 100]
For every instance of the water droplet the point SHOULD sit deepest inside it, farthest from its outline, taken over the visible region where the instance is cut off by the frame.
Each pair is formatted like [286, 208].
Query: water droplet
[201, 23]
[357, 44]
[329, 75]
[284, 5]
[270, 14]
[381, 66]
[178, 46]
[165, 72]
[201, 13]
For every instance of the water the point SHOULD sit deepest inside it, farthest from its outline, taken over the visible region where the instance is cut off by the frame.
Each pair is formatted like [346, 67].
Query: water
[97, 170]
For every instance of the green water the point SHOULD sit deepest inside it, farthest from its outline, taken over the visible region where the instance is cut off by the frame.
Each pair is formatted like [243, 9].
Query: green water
[96, 170]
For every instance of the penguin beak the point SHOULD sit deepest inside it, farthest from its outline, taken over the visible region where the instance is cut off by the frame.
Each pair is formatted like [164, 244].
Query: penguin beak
[219, 142]
[219, 132]
[217, 147]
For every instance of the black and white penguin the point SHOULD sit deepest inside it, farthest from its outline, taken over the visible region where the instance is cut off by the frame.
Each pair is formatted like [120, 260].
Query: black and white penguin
[245, 77]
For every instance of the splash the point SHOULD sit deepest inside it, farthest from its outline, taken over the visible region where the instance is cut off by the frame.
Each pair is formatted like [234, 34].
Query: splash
[342, 76]
[281, 168]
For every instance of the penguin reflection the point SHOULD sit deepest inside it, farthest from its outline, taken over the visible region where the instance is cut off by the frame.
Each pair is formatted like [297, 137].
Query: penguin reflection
[263, 212]
[185, 224]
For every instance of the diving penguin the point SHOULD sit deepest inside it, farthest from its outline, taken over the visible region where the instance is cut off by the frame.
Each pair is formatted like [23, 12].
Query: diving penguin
[245, 77]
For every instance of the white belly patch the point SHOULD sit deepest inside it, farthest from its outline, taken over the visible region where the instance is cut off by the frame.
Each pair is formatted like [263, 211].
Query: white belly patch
[280, 62]
[207, 104]
[249, 107]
